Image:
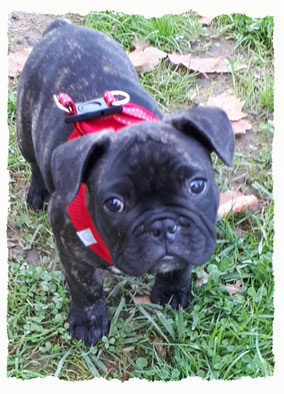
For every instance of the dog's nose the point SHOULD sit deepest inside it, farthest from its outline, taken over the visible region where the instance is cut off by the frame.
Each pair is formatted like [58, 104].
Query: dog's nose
[165, 228]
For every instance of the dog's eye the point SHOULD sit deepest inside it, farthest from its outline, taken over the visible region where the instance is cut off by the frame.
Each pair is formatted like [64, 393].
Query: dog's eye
[114, 205]
[197, 186]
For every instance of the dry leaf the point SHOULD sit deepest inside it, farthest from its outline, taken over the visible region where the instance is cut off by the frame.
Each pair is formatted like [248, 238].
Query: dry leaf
[228, 196]
[206, 20]
[14, 348]
[140, 44]
[11, 243]
[17, 60]
[201, 280]
[233, 107]
[233, 288]
[143, 299]
[230, 104]
[241, 126]
[236, 202]
[176, 58]
[212, 65]
[146, 59]
[160, 349]
[204, 65]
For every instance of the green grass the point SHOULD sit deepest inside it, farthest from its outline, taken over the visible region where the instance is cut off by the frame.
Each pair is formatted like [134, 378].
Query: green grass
[167, 33]
[252, 33]
[219, 336]
[170, 86]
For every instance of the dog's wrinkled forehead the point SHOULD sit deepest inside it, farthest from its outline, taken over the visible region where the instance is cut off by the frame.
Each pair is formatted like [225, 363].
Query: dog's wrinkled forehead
[152, 153]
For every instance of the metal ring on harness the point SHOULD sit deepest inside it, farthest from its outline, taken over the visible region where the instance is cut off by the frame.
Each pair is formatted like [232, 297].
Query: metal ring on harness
[125, 100]
[59, 105]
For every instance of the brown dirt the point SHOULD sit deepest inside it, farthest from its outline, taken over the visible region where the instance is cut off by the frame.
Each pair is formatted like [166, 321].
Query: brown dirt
[26, 29]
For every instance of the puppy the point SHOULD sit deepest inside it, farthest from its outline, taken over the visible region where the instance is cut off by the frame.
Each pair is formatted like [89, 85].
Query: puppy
[149, 188]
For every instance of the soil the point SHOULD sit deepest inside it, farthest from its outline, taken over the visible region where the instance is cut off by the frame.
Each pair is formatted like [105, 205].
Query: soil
[26, 29]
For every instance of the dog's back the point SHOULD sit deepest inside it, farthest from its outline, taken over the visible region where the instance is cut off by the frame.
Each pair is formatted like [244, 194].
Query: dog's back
[83, 63]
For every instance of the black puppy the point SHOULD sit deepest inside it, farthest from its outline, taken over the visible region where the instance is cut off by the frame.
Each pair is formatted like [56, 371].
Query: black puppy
[150, 188]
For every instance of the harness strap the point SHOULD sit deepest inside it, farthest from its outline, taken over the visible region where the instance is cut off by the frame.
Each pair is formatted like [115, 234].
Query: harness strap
[85, 227]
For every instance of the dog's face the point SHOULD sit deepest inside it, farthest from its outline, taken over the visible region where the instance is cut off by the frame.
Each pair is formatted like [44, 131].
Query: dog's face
[155, 201]
[151, 189]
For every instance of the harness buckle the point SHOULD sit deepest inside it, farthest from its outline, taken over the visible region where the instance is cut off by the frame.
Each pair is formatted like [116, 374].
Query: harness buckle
[110, 103]
[110, 97]
[64, 102]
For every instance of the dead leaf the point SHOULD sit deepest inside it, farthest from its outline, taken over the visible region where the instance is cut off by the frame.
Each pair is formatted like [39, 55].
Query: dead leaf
[176, 58]
[204, 65]
[160, 350]
[234, 288]
[235, 201]
[241, 126]
[11, 243]
[230, 104]
[209, 65]
[140, 44]
[206, 20]
[143, 299]
[200, 281]
[145, 60]
[228, 196]
[233, 107]
[17, 60]
[14, 348]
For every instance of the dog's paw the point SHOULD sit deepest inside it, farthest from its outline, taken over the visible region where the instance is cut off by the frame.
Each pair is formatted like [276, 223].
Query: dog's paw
[175, 297]
[37, 198]
[89, 323]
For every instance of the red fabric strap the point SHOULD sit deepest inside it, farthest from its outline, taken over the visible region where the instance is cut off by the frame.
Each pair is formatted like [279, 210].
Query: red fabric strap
[85, 227]
[78, 211]
[131, 114]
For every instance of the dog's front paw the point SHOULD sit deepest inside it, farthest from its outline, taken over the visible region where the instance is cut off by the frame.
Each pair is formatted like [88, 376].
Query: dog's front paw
[176, 297]
[89, 323]
[36, 197]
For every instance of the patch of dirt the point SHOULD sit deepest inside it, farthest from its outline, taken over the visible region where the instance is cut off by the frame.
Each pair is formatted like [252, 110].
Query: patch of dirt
[26, 28]
[31, 256]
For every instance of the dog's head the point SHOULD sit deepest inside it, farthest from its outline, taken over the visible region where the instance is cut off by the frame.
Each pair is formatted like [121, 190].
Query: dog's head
[151, 189]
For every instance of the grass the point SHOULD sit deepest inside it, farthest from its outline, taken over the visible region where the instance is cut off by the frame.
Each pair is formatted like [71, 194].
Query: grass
[253, 33]
[167, 33]
[219, 336]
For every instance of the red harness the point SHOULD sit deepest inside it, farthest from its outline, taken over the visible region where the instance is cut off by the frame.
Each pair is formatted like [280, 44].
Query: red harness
[129, 114]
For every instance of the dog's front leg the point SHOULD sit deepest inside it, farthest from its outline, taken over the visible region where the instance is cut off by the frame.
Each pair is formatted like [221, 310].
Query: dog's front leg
[88, 319]
[173, 287]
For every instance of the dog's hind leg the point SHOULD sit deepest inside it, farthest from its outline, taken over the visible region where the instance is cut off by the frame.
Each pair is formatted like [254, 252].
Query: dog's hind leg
[38, 194]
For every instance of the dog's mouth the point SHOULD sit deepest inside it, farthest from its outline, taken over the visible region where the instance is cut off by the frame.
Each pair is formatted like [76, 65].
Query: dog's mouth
[166, 264]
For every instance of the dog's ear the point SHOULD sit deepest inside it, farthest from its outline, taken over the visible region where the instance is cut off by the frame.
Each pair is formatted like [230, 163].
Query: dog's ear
[70, 162]
[209, 125]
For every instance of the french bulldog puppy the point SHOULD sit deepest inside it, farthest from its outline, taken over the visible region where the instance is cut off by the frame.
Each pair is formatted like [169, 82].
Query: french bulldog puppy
[150, 186]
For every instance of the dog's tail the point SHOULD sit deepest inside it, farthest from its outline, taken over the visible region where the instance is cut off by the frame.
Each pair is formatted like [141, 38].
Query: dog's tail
[58, 22]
